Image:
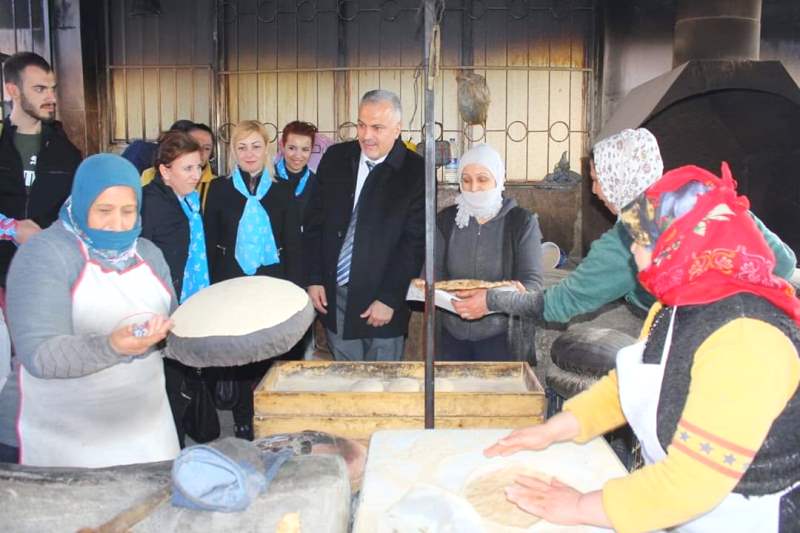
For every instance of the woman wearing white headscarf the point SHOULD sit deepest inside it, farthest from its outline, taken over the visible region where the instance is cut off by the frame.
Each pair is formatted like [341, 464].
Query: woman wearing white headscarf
[488, 237]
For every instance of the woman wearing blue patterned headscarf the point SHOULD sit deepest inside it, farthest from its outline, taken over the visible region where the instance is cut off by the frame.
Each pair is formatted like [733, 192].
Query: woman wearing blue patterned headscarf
[88, 302]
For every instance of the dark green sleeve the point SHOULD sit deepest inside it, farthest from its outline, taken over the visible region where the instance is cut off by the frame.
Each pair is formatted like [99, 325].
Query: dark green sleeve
[608, 272]
[785, 260]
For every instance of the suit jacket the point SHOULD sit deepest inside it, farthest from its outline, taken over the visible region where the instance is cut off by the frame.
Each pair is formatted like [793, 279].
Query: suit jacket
[224, 208]
[57, 161]
[389, 242]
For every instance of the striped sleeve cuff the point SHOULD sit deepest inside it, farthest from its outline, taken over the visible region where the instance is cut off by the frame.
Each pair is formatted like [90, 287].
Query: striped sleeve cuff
[722, 456]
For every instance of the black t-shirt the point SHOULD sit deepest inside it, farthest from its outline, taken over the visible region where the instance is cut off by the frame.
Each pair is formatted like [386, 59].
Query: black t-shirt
[28, 146]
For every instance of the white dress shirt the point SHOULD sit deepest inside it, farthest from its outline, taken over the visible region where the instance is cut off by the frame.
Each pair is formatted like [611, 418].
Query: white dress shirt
[363, 172]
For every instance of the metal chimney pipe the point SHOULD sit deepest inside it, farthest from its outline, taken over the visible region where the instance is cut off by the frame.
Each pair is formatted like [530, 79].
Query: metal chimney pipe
[717, 29]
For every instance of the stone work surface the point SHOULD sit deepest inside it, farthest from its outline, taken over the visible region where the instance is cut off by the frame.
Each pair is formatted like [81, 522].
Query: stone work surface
[58, 499]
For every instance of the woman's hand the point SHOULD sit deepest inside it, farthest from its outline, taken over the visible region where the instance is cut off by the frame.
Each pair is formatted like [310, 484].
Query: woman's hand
[561, 427]
[555, 502]
[418, 283]
[125, 340]
[472, 305]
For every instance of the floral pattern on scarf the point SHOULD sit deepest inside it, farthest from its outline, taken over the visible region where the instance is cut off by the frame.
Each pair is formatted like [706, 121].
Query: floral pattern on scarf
[626, 165]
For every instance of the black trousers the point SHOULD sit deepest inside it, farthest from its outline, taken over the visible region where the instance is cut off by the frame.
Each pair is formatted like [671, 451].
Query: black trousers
[174, 377]
[248, 378]
[491, 349]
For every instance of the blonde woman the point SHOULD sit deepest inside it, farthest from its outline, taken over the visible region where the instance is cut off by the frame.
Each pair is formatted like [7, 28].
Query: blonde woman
[252, 222]
[252, 228]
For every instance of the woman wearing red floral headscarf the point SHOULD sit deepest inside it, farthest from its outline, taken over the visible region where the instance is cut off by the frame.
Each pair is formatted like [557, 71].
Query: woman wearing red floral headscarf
[712, 389]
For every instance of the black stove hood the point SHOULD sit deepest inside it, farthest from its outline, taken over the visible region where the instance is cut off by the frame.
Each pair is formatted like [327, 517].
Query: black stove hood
[724, 107]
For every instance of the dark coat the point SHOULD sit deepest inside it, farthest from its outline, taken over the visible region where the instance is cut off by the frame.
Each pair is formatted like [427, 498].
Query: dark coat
[308, 190]
[389, 245]
[58, 158]
[224, 208]
[166, 225]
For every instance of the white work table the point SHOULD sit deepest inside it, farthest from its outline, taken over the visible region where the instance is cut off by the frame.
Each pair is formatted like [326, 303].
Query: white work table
[401, 459]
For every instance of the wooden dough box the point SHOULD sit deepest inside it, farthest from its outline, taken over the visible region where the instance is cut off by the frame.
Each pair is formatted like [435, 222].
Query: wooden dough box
[357, 415]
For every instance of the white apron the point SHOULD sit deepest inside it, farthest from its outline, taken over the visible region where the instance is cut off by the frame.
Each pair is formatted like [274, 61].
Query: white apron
[119, 415]
[639, 390]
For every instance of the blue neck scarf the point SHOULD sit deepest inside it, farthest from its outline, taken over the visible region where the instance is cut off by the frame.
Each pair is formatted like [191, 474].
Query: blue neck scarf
[255, 243]
[280, 168]
[195, 273]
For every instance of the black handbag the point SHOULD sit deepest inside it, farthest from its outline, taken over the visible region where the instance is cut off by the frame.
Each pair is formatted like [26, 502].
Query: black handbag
[200, 421]
[226, 391]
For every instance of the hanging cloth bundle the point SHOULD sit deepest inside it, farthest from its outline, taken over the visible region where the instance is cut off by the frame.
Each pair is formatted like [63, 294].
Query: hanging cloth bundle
[473, 98]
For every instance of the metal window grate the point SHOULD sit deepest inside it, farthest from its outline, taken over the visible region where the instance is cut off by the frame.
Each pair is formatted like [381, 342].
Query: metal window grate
[277, 61]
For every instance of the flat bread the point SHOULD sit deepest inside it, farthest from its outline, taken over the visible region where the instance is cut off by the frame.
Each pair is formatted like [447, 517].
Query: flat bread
[468, 284]
[487, 495]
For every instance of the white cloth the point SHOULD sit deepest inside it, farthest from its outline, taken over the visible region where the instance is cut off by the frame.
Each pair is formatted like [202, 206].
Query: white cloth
[119, 415]
[433, 510]
[627, 164]
[363, 172]
[483, 205]
[639, 391]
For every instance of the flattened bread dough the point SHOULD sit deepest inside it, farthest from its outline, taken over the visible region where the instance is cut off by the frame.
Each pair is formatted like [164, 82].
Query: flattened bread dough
[367, 385]
[443, 385]
[487, 495]
[403, 385]
[467, 284]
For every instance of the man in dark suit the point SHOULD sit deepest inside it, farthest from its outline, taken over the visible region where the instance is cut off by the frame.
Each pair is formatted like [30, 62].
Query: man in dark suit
[364, 235]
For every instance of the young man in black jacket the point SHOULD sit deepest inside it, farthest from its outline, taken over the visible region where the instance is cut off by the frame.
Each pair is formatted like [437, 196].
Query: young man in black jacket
[37, 161]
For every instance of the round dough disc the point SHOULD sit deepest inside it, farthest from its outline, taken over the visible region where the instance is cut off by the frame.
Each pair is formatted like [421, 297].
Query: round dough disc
[444, 385]
[239, 321]
[403, 385]
[238, 306]
[487, 495]
[367, 385]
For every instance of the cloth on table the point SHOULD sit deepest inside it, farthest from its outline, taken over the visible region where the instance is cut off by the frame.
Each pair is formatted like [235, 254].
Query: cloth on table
[223, 476]
[432, 509]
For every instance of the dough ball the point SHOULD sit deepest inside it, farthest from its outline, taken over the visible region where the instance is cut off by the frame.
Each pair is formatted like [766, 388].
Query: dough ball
[444, 385]
[367, 385]
[487, 495]
[403, 385]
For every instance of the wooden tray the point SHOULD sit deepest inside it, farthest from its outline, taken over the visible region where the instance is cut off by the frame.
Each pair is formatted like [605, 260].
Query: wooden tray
[358, 414]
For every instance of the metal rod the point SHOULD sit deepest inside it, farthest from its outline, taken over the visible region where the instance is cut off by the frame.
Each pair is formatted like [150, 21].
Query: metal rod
[453, 68]
[159, 67]
[429, 327]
